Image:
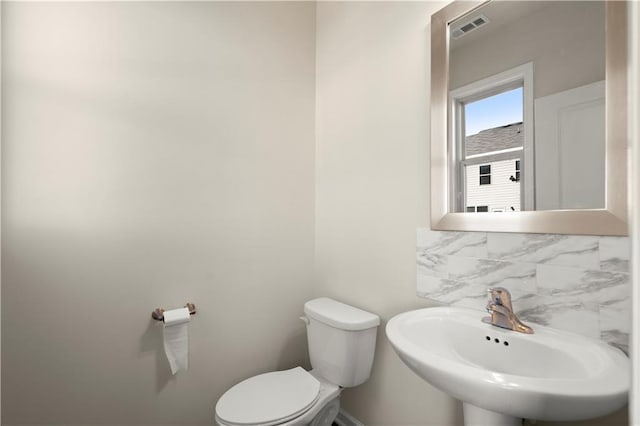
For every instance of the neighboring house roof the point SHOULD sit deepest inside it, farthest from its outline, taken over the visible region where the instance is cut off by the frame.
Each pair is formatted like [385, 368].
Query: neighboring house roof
[496, 139]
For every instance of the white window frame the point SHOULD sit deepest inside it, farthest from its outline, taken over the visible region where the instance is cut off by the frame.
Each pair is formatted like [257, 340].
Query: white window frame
[510, 79]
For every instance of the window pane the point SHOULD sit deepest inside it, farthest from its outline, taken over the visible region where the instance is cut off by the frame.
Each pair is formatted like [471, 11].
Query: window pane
[483, 209]
[493, 112]
[471, 209]
[493, 128]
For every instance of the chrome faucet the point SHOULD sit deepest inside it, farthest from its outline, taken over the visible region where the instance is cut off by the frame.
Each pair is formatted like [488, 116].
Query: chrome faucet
[499, 306]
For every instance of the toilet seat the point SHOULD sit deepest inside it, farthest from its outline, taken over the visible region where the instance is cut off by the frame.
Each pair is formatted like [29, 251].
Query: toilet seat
[269, 399]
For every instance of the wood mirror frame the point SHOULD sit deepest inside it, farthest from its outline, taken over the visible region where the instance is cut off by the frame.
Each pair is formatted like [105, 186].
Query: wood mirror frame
[611, 220]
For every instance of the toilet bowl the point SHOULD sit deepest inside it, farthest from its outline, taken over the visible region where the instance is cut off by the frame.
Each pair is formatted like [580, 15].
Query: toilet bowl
[341, 342]
[290, 397]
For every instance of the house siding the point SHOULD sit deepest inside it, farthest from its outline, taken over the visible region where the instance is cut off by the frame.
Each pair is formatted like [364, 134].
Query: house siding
[502, 193]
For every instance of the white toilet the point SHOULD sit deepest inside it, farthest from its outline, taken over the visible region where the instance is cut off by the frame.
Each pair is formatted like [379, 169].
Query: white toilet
[341, 341]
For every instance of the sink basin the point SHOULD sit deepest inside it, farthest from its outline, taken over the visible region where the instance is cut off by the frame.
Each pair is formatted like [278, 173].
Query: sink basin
[548, 375]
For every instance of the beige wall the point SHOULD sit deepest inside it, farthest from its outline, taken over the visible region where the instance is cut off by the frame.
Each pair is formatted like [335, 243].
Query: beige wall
[372, 185]
[153, 154]
[372, 162]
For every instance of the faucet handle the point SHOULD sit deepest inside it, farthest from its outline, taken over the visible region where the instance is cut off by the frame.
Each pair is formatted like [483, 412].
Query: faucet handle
[500, 296]
[490, 306]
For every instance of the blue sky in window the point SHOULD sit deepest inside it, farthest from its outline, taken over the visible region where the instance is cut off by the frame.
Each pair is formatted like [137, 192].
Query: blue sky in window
[499, 110]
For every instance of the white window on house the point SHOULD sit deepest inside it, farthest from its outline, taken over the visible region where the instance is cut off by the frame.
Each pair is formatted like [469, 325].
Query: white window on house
[492, 135]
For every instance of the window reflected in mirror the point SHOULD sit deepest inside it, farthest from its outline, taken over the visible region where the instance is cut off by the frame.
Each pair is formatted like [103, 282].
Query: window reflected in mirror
[492, 150]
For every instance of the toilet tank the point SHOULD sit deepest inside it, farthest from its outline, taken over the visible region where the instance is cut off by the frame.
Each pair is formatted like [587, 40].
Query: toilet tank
[342, 341]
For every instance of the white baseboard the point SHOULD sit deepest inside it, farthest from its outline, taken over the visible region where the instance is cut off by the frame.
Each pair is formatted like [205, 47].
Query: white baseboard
[346, 419]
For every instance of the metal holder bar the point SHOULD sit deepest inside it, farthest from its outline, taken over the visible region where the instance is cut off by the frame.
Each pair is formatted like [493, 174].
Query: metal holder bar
[158, 313]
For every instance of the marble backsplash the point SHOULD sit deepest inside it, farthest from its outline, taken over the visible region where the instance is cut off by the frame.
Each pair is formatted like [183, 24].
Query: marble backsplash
[571, 282]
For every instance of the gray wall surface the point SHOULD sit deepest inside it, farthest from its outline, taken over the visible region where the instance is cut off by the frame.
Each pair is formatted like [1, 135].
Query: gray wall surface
[565, 42]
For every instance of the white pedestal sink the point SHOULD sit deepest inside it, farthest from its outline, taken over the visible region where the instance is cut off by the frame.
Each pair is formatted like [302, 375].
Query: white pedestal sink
[502, 376]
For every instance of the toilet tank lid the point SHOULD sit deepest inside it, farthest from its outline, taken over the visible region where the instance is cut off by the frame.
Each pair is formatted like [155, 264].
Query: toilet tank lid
[340, 315]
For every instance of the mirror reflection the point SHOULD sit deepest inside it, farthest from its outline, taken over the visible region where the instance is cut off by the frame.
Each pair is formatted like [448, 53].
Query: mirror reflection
[527, 107]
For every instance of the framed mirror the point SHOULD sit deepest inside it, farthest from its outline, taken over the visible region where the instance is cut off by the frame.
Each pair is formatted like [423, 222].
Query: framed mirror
[529, 117]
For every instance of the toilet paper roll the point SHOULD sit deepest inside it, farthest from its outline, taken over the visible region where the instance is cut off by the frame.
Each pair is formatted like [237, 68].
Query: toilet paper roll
[176, 338]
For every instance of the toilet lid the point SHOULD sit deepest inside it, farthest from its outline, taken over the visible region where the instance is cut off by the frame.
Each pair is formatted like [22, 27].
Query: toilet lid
[269, 399]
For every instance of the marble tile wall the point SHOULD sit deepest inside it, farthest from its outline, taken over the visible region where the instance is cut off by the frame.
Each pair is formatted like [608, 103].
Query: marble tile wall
[571, 282]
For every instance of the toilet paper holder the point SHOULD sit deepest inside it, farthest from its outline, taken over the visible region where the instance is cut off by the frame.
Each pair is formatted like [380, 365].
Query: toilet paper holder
[158, 313]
